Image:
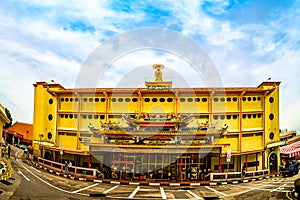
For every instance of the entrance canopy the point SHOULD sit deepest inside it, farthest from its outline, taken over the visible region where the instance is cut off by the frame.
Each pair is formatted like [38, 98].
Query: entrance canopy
[291, 150]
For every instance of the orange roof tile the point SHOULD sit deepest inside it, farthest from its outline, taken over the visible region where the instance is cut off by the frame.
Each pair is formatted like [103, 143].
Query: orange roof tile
[23, 129]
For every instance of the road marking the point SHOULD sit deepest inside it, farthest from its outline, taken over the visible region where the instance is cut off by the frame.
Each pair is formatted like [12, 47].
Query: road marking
[35, 169]
[287, 195]
[163, 194]
[46, 181]
[110, 189]
[134, 192]
[212, 189]
[87, 187]
[264, 184]
[249, 187]
[149, 189]
[19, 172]
[280, 188]
[16, 154]
[193, 194]
[233, 194]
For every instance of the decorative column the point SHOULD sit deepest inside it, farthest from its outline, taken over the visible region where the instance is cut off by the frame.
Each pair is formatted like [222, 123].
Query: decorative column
[220, 163]
[89, 161]
[256, 168]
[246, 162]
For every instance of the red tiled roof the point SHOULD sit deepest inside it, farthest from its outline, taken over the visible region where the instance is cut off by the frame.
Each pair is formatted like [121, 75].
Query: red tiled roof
[22, 129]
[291, 149]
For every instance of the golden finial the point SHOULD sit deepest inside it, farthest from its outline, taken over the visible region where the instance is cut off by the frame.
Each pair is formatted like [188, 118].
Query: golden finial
[158, 72]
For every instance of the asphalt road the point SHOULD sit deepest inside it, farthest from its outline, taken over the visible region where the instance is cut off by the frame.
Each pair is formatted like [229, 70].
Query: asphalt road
[31, 183]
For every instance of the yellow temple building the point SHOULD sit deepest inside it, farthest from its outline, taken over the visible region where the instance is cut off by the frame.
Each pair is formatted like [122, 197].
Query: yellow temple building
[159, 131]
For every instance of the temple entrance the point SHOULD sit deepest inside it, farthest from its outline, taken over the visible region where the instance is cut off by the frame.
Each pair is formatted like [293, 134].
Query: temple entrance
[184, 167]
[273, 162]
[154, 167]
[193, 167]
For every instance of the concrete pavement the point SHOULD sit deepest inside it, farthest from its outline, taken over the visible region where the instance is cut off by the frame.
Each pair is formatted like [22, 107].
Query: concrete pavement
[11, 183]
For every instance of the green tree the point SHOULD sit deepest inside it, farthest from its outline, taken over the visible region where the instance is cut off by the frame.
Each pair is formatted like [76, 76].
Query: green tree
[9, 117]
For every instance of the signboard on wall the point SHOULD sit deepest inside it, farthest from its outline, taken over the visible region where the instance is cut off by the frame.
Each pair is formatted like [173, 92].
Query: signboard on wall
[228, 157]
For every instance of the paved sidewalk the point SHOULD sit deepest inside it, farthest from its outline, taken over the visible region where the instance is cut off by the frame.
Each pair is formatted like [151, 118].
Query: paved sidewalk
[8, 186]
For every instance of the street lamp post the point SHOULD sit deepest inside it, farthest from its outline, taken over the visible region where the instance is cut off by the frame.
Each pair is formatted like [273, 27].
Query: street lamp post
[5, 137]
[41, 136]
[13, 138]
[61, 153]
[27, 138]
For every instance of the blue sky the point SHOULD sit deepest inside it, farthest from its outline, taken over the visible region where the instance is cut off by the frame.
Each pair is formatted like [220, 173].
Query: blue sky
[248, 41]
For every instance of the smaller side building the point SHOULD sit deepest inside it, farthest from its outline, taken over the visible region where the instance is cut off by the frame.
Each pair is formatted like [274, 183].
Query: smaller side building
[291, 148]
[20, 133]
[3, 120]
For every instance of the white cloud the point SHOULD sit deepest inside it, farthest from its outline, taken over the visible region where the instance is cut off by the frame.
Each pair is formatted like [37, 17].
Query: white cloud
[217, 6]
[140, 64]
[42, 46]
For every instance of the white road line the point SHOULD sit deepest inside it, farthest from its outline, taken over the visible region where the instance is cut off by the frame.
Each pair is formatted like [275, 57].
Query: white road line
[248, 187]
[271, 185]
[251, 188]
[149, 189]
[46, 181]
[163, 194]
[16, 154]
[35, 169]
[134, 192]
[20, 172]
[280, 188]
[212, 189]
[87, 187]
[110, 189]
[233, 194]
[193, 194]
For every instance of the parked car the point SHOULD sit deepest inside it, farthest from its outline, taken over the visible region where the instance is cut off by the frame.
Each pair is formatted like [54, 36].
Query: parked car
[291, 168]
[23, 146]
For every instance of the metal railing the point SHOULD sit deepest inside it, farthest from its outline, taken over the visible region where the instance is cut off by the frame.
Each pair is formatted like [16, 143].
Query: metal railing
[80, 171]
[233, 176]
